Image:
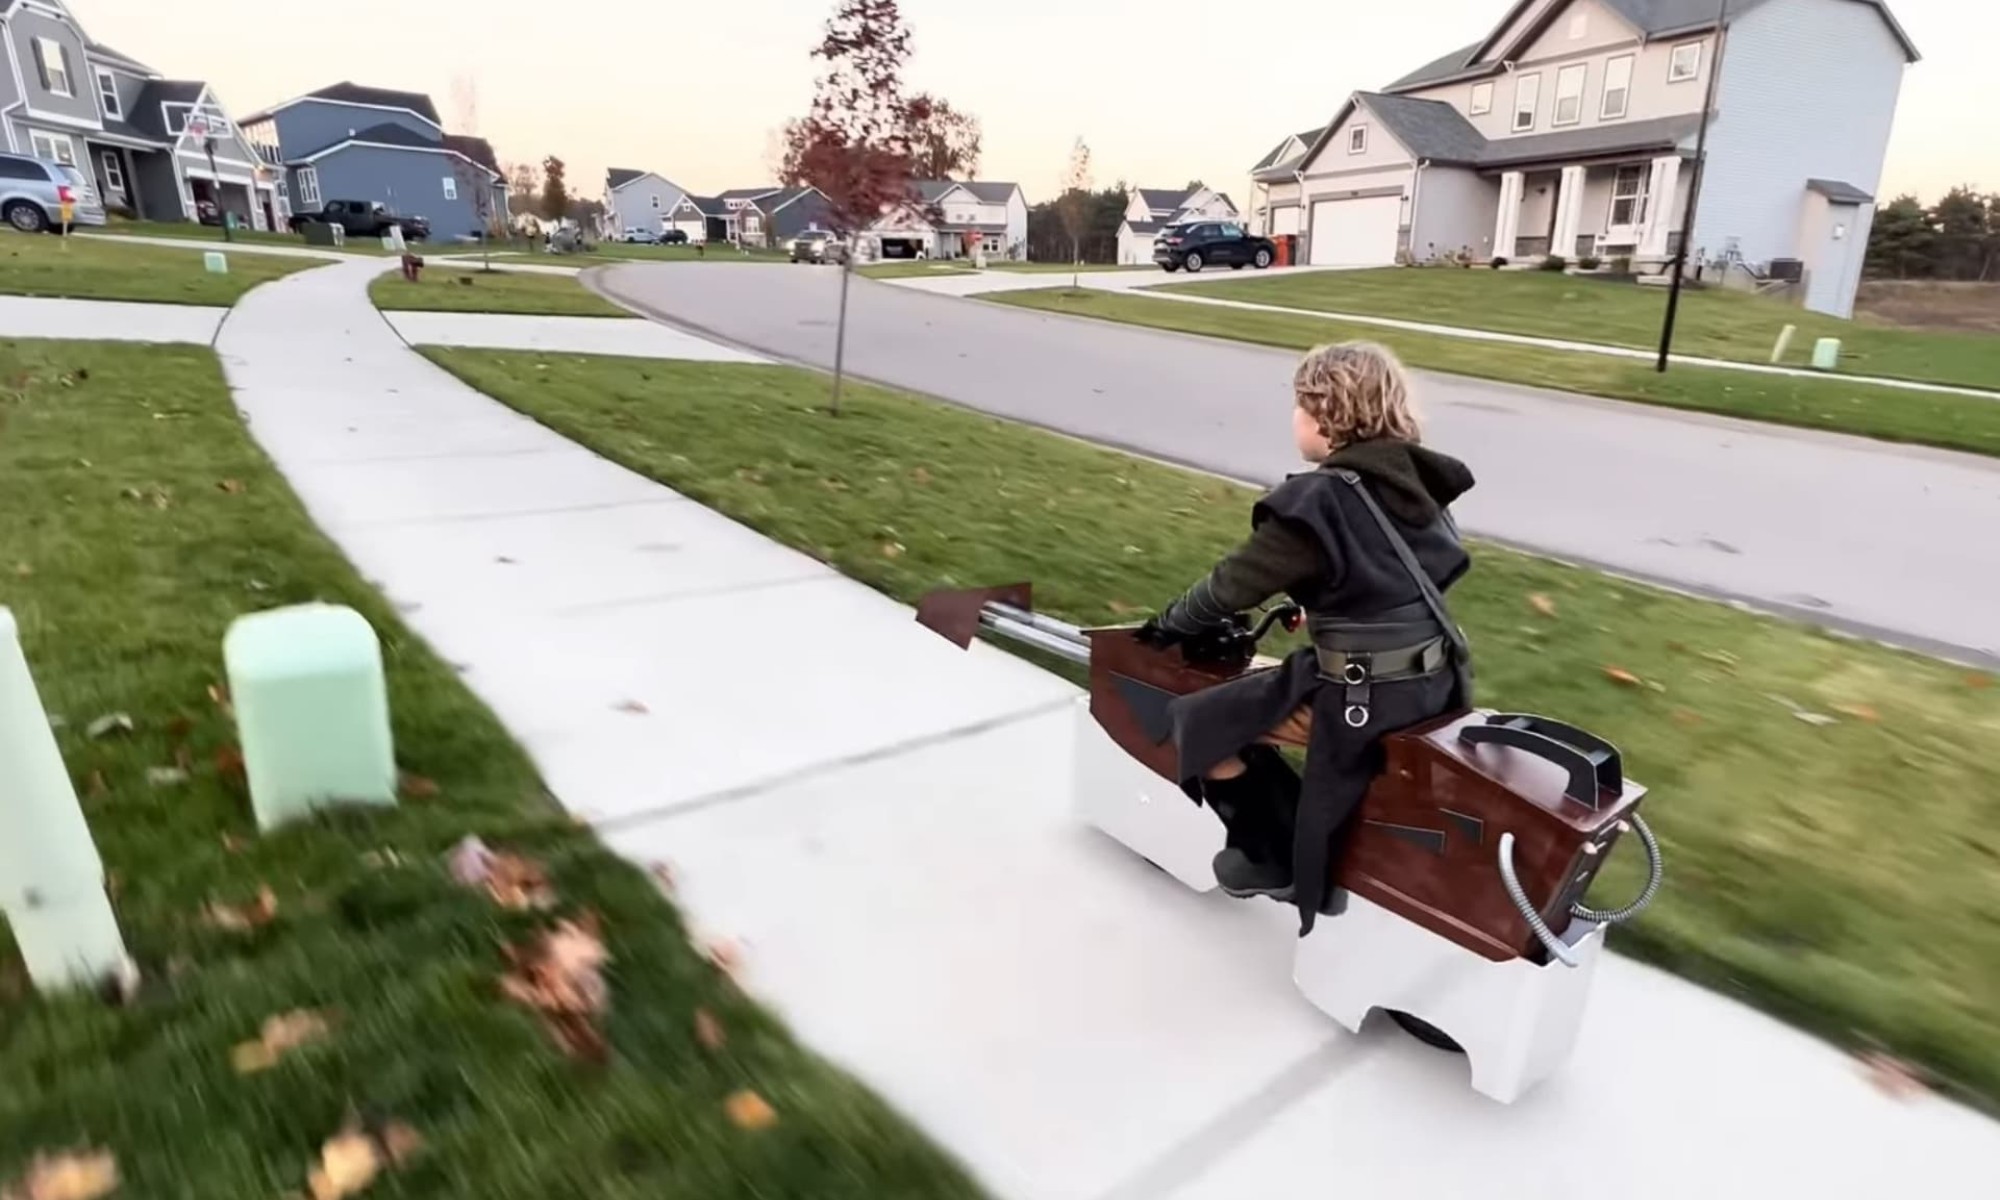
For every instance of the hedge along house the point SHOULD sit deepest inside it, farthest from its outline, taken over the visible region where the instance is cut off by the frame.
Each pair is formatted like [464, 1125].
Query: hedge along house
[351, 142]
[128, 129]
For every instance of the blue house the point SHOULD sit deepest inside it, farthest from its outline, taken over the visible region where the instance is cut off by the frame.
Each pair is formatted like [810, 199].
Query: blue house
[350, 142]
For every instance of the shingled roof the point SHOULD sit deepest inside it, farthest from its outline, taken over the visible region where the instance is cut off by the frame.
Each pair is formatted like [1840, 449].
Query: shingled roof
[348, 92]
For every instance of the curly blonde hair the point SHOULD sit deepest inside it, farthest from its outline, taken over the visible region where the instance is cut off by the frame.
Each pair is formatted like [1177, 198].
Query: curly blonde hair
[1356, 391]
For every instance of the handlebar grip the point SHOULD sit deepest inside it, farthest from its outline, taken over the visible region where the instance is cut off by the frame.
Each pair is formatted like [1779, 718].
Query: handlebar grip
[1583, 783]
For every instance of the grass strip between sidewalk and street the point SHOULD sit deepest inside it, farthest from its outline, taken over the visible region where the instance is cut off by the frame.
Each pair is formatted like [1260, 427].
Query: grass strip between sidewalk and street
[1711, 323]
[1829, 807]
[913, 269]
[85, 268]
[474, 290]
[141, 520]
[1826, 403]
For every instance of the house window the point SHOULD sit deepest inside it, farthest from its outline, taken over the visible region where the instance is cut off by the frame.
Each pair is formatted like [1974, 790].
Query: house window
[1527, 97]
[177, 117]
[56, 146]
[655, 199]
[1357, 140]
[1686, 63]
[1617, 89]
[1628, 196]
[55, 66]
[450, 188]
[114, 172]
[107, 95]
[309, 187]
[1569, 94]
[1482, 99]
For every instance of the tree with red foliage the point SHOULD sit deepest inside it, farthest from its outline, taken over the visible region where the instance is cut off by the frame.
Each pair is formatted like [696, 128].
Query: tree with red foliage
[857, 142]
[947, 141]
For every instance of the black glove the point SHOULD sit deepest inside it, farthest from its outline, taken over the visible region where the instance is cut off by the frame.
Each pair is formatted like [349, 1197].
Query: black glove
[1217, 644]
[1156, 635]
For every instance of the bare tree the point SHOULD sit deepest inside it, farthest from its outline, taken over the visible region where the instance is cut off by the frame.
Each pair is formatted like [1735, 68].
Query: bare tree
[471, 177]
[1073, 205]
[855, 144]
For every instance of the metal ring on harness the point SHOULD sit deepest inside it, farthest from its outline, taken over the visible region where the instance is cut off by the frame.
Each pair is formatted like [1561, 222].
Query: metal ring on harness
[1354, 674]
[1357, 716]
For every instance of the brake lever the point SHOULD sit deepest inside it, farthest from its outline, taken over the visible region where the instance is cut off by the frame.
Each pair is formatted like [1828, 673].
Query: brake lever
[1291, 616]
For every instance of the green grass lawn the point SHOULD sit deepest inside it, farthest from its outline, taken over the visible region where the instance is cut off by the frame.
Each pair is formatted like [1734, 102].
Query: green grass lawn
[1833, 404]
[88, 269]
[1712, 323]
[912, 269]
[125, 558]
[1842, 874]
[457, 289]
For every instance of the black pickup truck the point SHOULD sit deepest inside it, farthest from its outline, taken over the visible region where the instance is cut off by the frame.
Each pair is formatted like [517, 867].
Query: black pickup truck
[363, 218]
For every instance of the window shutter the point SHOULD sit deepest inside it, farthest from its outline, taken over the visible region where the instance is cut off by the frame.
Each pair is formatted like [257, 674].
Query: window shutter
[41, 64]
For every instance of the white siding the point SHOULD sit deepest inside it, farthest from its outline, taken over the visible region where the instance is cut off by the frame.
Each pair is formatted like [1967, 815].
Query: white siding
[1516, 27]
[1334, 157]
[1651, 96]
[1456, 209]
[1809, 90]
[633, 206]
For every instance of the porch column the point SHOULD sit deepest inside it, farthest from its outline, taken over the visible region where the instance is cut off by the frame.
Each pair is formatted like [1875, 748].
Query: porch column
[1662, 206]
[1507, 225]
[1569, 212]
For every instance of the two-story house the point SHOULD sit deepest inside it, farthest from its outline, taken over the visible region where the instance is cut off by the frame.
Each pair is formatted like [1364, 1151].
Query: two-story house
[351, 142]
[1570, 129]
[153, 147]
[949, 218]
[1150, 210]
[1275, 187]
[636, 199]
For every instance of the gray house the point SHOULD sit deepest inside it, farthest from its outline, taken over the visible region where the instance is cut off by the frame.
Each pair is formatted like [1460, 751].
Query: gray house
[639, 200]
[1569, 129]
[352, 142]
[142, 139]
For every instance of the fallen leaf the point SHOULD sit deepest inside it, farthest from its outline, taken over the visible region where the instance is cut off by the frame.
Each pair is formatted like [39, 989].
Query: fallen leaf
[23, 570]
[1621, 675]
[108, 724]
[1978, 683]
[233, 486]
[560, 977]
[921, 476]
[166, 776]
[1542, 604]
[1121, 609]
[80, 1176]
[416, 787]
[180, 726]
[280, 1035]
[400, 1142]
[632, 706]
[1860, 712]
[1893, 1076]
[1814, 719]
[708, 1031]
[1686, 717]
[892, 549]
[242, 918]
[348, 1162]
[748, 1110]
[663, 874]
[218, 694]
[229, 762]
[232, 843]
[1723, 657]
[95, 785]
[512, 880]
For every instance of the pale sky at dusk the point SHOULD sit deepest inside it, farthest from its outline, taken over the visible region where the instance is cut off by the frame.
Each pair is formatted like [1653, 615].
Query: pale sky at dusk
[1163, 91]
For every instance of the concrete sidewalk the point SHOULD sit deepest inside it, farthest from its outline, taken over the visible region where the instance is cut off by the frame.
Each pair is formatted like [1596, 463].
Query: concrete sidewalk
[632, 337]
[882, 820]
[1148, 284]
[107, 320]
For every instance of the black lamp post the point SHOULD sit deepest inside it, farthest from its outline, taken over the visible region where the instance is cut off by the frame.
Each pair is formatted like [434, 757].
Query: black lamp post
[1694, 187]
[215, 177]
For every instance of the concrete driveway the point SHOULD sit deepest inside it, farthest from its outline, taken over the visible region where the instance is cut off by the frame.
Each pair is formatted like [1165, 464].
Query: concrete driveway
[1886, 541]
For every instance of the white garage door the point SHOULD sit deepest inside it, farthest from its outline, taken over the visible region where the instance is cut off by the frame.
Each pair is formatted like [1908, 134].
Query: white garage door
[1285, 220]
[695, 229]
[1355, 233]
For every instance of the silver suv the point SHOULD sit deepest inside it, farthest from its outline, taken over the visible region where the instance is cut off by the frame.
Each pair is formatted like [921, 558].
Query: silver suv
[32, 191]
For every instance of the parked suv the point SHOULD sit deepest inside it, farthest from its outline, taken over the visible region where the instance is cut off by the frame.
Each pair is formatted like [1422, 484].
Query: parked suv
[1201, 244]
[32, 191]
[818, 247]
[642, 236]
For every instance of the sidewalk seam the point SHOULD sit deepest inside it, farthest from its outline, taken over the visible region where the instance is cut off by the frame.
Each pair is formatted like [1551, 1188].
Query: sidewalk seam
[770, 783]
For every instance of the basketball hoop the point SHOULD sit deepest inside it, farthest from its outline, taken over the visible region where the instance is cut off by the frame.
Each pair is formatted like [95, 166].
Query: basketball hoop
[197, 128]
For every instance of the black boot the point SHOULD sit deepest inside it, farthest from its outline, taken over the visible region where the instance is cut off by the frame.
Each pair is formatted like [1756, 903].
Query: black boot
[1259, 809]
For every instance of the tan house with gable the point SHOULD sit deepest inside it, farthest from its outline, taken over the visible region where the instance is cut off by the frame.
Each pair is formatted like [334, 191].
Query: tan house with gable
[1570, 129]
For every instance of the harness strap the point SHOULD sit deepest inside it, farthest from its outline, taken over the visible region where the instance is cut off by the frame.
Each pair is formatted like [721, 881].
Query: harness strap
[1461, 653]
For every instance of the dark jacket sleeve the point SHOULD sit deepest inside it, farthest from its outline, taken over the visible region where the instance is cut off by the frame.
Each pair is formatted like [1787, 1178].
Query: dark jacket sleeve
[1278, 557]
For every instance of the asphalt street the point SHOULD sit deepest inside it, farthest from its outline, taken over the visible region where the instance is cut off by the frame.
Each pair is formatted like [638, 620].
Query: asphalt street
[1892, 542]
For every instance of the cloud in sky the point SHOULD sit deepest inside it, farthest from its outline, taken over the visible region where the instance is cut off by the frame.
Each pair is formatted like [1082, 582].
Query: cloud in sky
[1164, 91]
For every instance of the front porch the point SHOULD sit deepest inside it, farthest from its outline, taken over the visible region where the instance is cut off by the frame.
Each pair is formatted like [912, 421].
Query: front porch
[153, 183]
[1633, 210]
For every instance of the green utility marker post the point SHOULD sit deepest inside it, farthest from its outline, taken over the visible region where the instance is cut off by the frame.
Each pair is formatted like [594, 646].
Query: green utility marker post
[312, 710]
[51, 879]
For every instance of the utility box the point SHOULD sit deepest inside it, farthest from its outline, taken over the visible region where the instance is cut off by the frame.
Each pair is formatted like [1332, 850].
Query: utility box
[216, 262]
[312, 710]
[1826, 354]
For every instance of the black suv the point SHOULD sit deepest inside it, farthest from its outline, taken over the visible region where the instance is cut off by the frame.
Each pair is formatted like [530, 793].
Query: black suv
[1200, 244]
